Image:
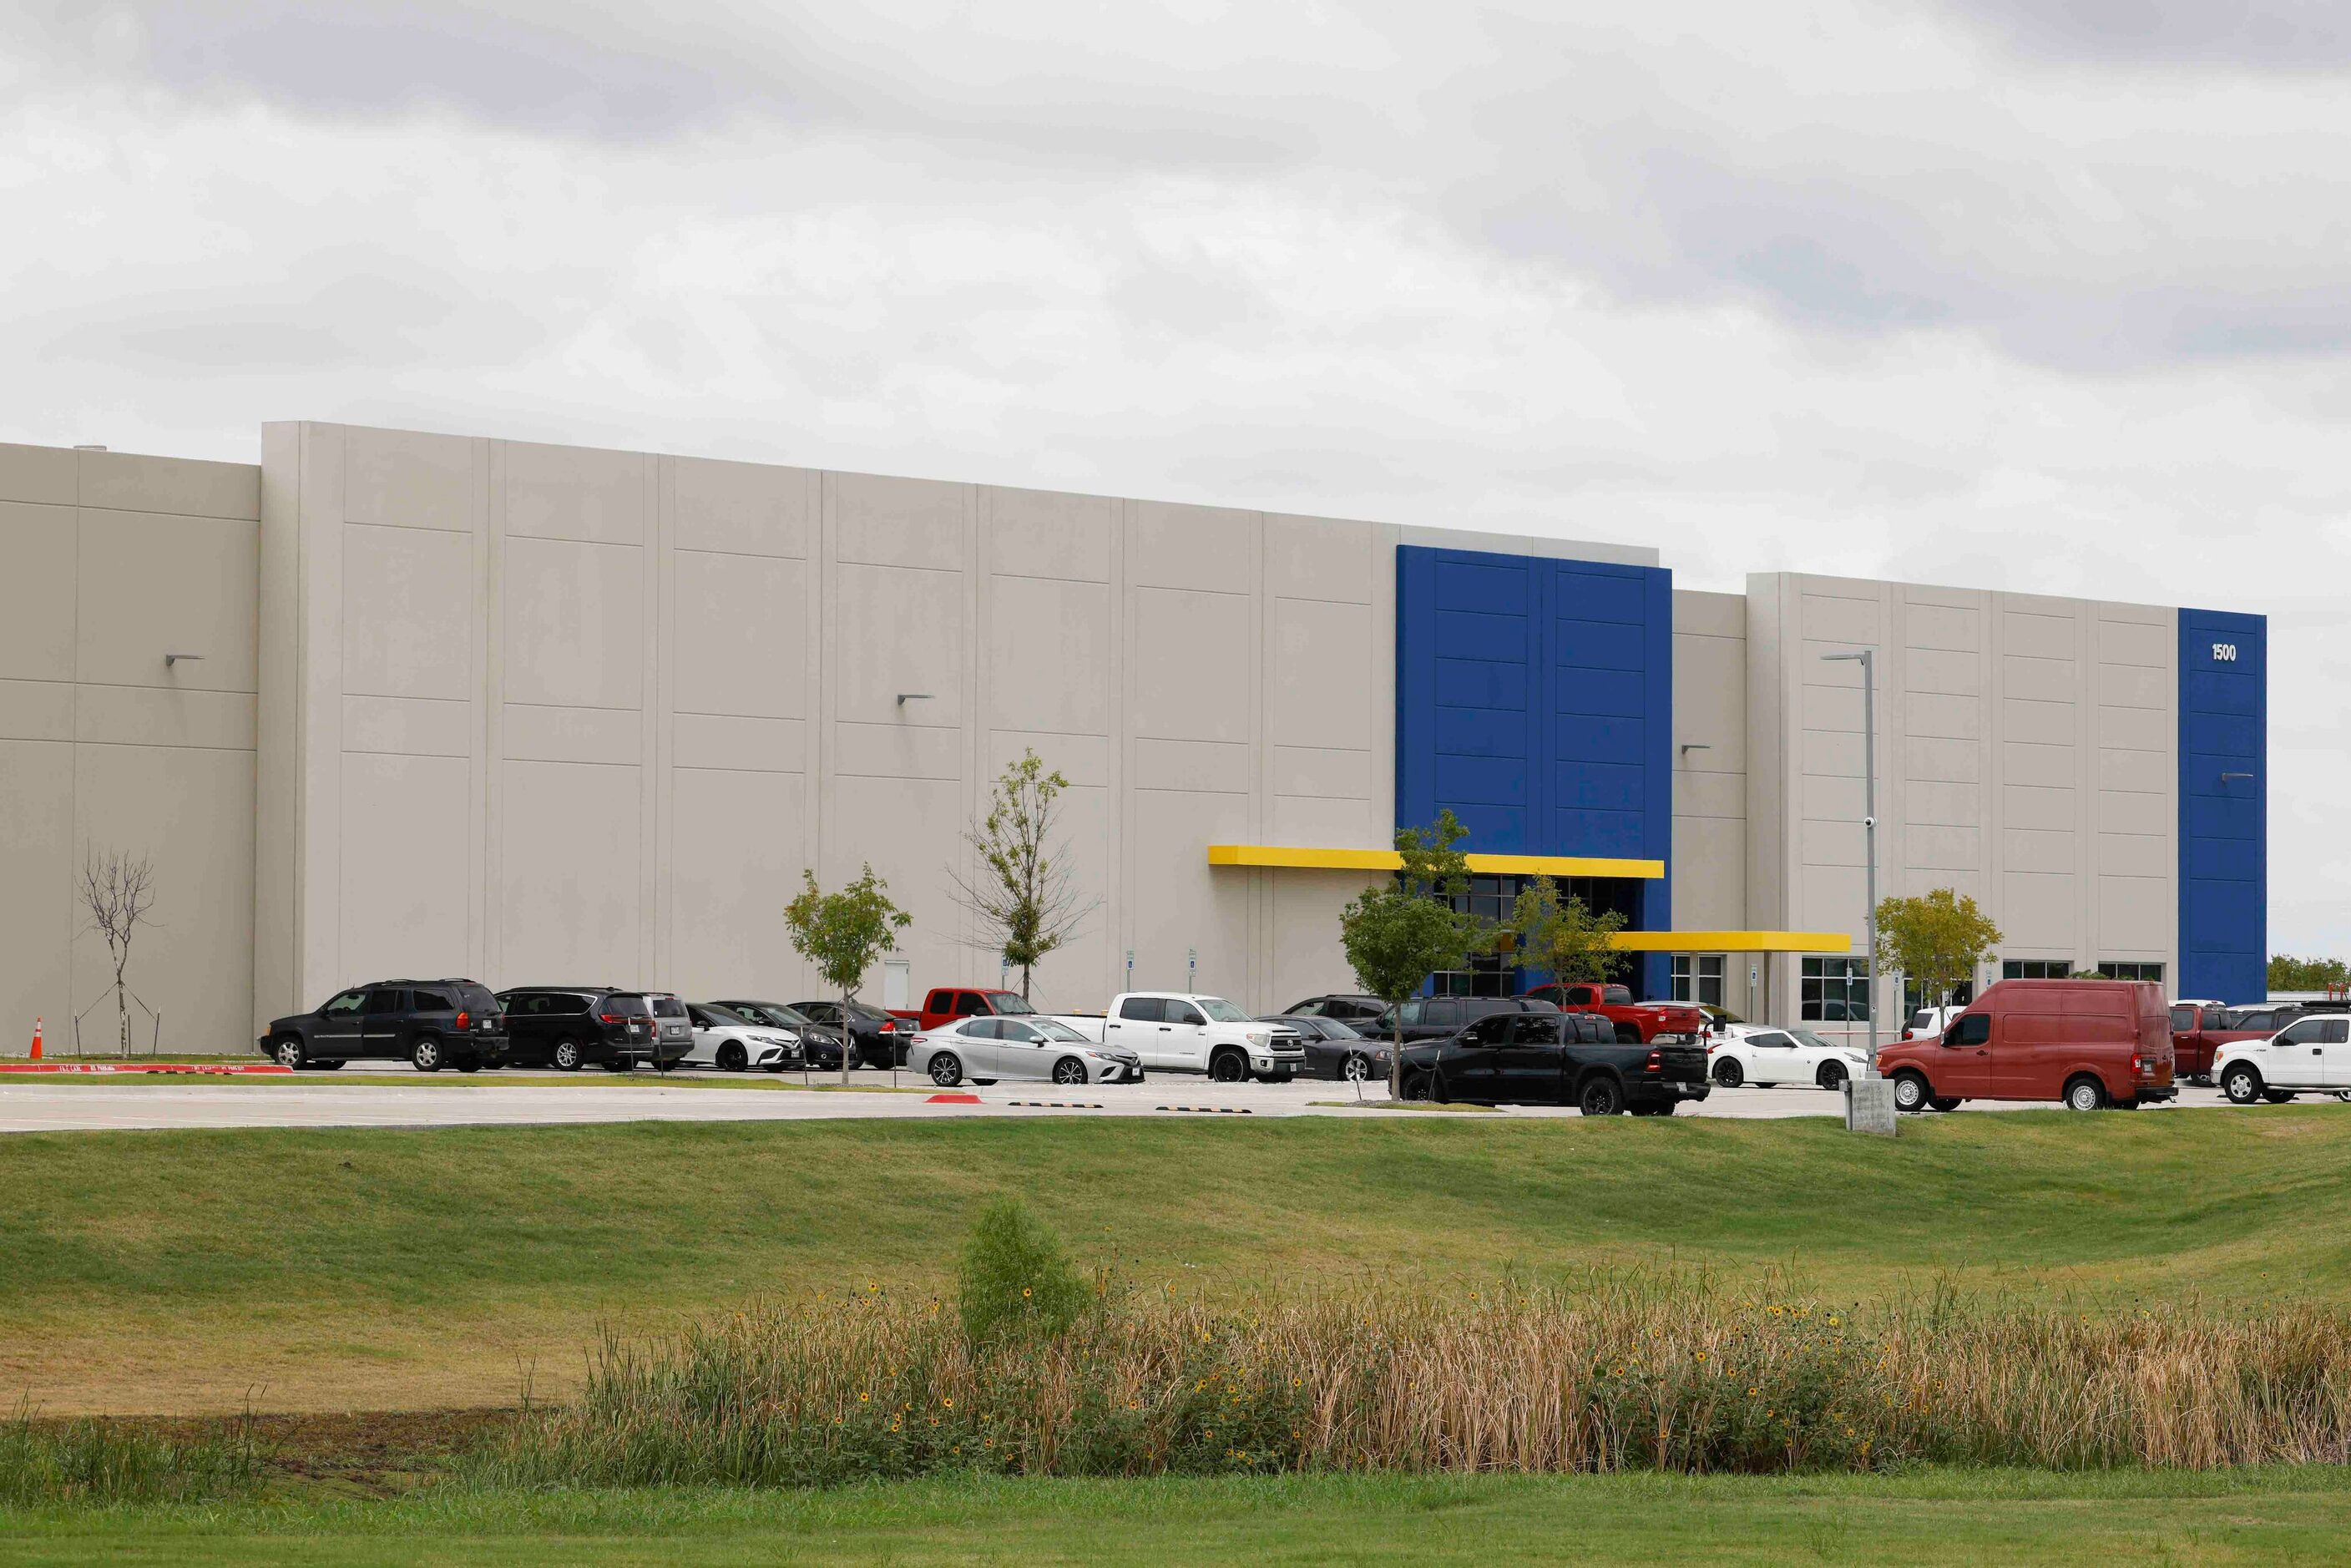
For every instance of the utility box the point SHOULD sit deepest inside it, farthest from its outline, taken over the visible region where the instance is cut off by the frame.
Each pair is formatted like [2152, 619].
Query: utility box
[1869, 1107]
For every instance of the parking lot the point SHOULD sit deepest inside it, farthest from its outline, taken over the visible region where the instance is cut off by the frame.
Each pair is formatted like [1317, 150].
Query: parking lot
[395, 1095]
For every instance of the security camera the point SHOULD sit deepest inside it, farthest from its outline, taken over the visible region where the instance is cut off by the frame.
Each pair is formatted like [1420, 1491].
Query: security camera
[1869, 821]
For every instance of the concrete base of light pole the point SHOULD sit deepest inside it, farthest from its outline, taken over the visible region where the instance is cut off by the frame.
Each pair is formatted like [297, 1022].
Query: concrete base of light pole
[1869, 1107]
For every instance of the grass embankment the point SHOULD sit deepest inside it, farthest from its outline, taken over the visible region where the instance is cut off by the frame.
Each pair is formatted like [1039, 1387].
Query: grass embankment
[1966, 1519]
[338, 1271]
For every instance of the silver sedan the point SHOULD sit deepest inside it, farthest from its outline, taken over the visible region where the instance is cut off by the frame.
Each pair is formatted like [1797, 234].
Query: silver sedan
[985, 1050]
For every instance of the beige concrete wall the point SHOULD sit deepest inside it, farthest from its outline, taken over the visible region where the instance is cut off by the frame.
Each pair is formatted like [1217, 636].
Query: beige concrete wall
[541, 714]
[2026, 755]
[1710, 739]
[112, 562]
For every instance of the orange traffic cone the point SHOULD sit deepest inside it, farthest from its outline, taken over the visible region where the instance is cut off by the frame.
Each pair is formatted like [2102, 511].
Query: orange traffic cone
[36, 1039]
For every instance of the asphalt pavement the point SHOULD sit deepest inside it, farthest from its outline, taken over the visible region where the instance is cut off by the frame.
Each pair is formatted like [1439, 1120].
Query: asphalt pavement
[395, 1095]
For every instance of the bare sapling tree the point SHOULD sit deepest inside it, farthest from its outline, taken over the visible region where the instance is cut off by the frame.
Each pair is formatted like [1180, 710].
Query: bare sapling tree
[1019, 893]
[117, 891]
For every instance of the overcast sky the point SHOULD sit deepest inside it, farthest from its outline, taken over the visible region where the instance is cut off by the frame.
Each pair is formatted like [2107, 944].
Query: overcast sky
[2044, 295]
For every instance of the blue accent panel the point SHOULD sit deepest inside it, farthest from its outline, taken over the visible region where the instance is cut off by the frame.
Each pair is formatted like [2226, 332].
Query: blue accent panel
[1534, 697]
[2223, 822]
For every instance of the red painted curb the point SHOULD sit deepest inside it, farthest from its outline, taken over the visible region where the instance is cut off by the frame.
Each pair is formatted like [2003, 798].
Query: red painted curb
[953, 1099]
[223, 1071]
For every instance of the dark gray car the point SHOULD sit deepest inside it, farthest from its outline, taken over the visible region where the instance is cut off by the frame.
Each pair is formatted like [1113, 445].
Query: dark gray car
[1336, 1050]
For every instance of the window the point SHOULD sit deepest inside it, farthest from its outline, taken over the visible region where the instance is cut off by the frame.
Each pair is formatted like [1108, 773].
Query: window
[1143, 1009]
[1698, 978]
[967, 1003]
[1020, 1033]
[1184, 1012]
[2035, 969]
[1973, 1029]
[1770, 1041]
[434, 1002]
[1535, 1029]
[1412, 1013]
[2131, 970]
[1222, 1010]
[1913, 996]
[1492, 1029]
[2183, 1020]
[668, 1007]
[1011, 1002]
[347, 1005]
[982, 1028]
[822, 1012]
[1836, 990]
[2309, 1031]
[385, 1000]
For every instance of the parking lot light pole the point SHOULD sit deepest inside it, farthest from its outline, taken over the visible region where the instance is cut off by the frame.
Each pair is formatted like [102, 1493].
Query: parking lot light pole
[1868, 824]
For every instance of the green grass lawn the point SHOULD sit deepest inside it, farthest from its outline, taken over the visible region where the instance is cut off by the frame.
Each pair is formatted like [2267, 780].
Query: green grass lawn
[316, 1270]
[1938, 1517]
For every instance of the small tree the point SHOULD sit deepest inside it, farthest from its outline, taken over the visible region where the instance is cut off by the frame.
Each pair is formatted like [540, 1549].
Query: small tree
[842, 934]
[1015, 1282]
[1938, 939]
[1397, 934]
[1021, 894]
[117, 891]
[1561, 934]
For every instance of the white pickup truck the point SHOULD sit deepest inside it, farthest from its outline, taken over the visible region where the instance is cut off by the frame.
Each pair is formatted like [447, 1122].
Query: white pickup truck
[1182, 1032]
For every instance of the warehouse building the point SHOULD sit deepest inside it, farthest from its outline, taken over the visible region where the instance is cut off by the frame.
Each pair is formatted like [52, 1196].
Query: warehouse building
[398, 704]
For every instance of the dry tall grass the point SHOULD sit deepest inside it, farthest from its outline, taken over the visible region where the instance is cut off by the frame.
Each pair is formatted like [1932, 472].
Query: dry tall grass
[1628, 1372]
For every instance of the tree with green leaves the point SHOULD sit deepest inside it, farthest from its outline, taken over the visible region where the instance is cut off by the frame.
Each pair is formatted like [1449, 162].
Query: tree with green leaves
[1560, 934]
[842, 934]
[2289, 974]
[1938, 939]
[1021, 894]
[1400, 933]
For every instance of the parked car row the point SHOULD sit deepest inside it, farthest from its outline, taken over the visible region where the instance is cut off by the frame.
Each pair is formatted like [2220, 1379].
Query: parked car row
[461, 1023]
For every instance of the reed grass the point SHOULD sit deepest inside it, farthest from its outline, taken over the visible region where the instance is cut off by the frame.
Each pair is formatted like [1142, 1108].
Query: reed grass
[99, 1462]
[1619, 1372]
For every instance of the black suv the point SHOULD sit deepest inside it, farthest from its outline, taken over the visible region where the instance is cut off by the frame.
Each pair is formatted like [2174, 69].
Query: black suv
[432, 1023]
[1434, 1017]
[1347, 1008]
[566, 1026]
[881, 1038]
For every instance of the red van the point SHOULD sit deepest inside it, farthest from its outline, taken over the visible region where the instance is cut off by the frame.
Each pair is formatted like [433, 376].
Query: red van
[2090, 1043]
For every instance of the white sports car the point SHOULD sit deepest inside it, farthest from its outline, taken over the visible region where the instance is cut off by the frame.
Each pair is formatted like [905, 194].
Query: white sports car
[983, 1050]
[733, 1043]
[1750, 1054]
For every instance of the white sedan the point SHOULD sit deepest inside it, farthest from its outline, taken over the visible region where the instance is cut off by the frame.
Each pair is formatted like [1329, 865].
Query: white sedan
[984, 1050]
[733, 1043]
[1751, 1053]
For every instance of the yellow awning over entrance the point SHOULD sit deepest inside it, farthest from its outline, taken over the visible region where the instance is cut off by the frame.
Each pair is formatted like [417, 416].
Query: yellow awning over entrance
[1296, 859]
[1731, 942]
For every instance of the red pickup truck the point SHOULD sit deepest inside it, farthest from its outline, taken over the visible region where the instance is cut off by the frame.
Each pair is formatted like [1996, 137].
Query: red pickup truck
[1642, 1022]
[947, 1003]
[2198, 1030]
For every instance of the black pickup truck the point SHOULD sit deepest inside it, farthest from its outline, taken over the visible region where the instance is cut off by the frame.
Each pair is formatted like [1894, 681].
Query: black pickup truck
[1554, 1059]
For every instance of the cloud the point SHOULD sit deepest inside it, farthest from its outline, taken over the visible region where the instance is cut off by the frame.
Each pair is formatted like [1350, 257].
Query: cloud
[2295, 35]
[1847, 288]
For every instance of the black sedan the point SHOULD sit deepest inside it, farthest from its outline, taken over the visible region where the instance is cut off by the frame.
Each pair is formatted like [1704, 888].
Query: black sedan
[1335, 1049]
[881, 1038]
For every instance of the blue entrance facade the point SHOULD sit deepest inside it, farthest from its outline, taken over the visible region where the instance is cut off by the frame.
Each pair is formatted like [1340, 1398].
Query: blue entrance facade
[2223, 805]
[1534, 697]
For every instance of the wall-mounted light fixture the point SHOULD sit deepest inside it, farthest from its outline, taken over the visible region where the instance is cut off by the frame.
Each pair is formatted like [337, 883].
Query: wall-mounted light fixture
[906, 697]
[171, 659]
